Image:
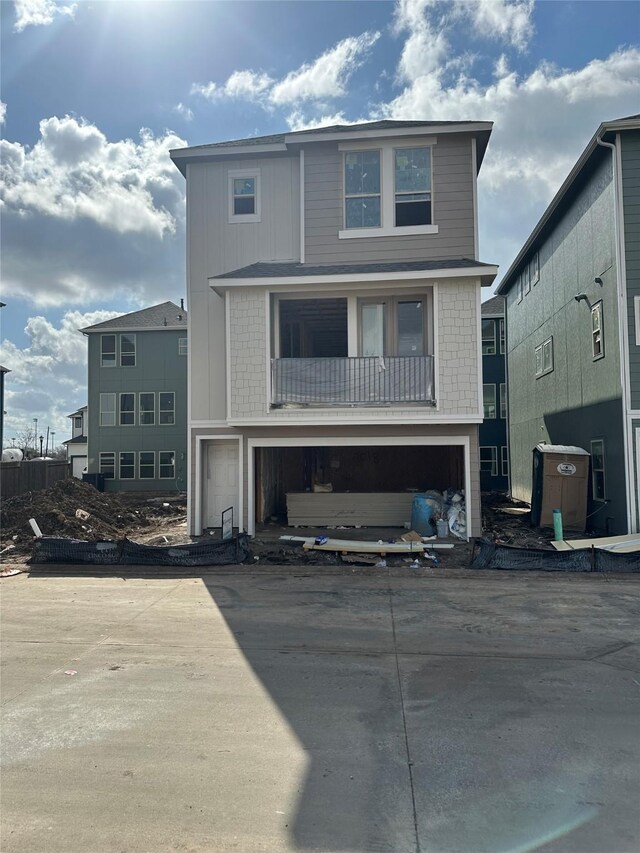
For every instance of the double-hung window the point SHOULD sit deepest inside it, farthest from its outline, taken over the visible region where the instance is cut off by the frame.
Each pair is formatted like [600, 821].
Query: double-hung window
[502, 337]
[505, 461]
[167, 464]
[244, 195]
[488, 337]
[107, 410]
[167, 408]
[147, 465]
[127, 350]
[107, 350]
[503, 400]
[147, 412]
[412, 186]
[489, 397]
[597, 332]
[489, 460]
[183, 346]
[127, 409]
[127, 465]
[362, 189]
[544, 357]
[597, 470]
[108, 465]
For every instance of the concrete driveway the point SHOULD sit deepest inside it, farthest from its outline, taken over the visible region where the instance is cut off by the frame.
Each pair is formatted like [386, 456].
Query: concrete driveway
[311, 711]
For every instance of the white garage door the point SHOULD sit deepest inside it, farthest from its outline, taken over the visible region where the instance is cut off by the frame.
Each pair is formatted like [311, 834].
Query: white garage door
[221, 481]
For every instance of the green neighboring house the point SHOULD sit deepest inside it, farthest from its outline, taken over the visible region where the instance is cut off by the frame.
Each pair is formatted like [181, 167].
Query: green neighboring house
[573, 321]
[137, 400]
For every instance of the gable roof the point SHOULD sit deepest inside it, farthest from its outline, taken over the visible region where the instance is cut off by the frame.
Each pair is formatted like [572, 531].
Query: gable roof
[566, 193]
[167, 315]
[281, 142]
[493, 307]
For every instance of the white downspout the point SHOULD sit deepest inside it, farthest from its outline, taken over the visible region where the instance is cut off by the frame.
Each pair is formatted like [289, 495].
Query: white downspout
[622, 330]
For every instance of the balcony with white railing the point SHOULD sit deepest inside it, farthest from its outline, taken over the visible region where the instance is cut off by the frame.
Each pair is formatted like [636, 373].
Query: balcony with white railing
[346, 382]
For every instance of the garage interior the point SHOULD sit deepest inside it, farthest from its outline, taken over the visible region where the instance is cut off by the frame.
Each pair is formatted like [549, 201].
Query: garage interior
[350, 485]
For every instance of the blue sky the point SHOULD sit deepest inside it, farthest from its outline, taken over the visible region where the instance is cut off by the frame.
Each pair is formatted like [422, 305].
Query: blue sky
[95, 93]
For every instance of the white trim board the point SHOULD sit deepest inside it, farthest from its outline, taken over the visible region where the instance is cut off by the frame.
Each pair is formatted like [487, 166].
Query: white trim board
[380, 418]
[356, 441]
[197, 519]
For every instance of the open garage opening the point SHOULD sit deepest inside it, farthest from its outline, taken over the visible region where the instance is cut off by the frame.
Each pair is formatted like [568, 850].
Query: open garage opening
[367, 486]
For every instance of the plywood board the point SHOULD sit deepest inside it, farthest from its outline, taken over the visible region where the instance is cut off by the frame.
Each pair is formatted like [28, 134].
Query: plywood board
[367, 509]
[355, 546]
[627, 544]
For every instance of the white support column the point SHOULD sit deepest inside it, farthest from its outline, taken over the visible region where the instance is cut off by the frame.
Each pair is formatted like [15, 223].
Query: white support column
[352, 326]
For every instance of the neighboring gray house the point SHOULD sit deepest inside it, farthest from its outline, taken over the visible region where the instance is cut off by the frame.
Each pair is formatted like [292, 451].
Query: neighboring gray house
[334, 326]
[573, 319]
[137, 410]
[77, 444]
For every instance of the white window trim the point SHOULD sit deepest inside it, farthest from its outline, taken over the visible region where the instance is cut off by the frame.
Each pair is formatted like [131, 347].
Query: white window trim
[160, 477]
[120, 455]
[107, 453]
[120, 396]
[160, 411]
[104, 412]
[140, 423]
[115, 351]
[540, 348]
[495, 335]
[153, 453]
[636, 308]
[232, 174]
[495, 401]
[135, 349]
[597, 356]
[535, 260]
[603, 469]
[494, 460]
[183, 346]
[387, 192]
[504, 460]
[503, 400]
[502, 336]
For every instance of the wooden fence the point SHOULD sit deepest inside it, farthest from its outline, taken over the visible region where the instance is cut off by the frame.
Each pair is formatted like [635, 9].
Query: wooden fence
[16, 478]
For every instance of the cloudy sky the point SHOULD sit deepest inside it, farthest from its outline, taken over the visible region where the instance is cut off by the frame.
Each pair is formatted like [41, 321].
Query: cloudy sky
[94, 94]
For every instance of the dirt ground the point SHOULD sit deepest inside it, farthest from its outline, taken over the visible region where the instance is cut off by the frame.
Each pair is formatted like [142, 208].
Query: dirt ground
[161, 520]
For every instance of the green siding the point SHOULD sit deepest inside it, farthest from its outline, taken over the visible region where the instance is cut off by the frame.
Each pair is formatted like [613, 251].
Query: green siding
[158, 368]
[630, 155]
[580, 399]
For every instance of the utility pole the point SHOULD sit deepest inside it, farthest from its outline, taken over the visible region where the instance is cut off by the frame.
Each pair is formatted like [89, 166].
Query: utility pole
[41, 440]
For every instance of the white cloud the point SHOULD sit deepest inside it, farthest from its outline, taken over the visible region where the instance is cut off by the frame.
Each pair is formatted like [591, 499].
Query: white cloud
[299, 121]
[74, 172]
[321, 80]
[184, 111]
[3, 112]
[48, 378]
[499, 19]
[40, 12]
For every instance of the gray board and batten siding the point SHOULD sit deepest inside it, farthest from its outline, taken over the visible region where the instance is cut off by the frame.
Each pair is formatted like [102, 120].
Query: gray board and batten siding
[452, 204]
[630, 156]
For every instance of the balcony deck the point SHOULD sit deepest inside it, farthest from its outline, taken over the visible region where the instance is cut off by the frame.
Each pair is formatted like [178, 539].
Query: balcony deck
[365, 381]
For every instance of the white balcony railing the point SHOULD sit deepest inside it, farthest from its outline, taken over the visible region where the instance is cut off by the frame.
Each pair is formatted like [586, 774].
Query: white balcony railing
[370, 381]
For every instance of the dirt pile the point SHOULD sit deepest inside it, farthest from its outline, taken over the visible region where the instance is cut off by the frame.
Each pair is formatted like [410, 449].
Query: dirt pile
[111, 515]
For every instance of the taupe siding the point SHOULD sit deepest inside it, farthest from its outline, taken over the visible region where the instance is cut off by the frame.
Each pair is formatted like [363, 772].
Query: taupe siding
[631, 208]
[452, 206]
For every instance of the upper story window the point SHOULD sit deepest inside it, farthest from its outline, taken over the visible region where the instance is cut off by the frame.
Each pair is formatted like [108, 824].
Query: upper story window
[107, 350]
[387, 190]
[127, 350]
[107, 409]
[544, 357]
[597, 331]
[488, 337]
[534, 268]
[77, 422]
[413, 186]
[502, 337]
[183, 346]
[362, 191]
[394, 326]
[167, 408]
[489, 399]
[244, 195]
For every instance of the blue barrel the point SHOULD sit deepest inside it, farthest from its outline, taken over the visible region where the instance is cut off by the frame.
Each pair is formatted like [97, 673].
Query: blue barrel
[421, 512]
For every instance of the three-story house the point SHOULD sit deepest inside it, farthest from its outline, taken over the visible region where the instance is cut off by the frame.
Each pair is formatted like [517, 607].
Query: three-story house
[334, 322]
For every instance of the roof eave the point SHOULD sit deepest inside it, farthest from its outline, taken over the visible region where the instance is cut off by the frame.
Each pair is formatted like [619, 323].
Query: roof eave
[93, 329]
[605, 128]
[183, 156]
